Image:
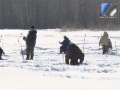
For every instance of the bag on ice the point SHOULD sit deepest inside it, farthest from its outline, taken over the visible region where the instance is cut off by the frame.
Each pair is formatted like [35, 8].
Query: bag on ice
[23, 52]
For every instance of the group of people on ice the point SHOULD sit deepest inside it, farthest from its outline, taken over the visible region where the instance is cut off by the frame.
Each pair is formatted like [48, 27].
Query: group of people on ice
[30, 44]
[73, 54]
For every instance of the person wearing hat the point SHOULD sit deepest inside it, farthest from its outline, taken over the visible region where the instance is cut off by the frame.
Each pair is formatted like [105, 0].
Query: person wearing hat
[30, 42]
[104, 42]
[65, 43]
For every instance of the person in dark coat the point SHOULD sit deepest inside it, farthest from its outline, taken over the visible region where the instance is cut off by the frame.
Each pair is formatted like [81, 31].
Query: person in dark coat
[74, 54]
[65, 43]
[30, 42]
[1, 52]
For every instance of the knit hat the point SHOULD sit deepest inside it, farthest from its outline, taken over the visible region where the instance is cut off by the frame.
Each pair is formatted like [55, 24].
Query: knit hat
[32, 27]
[24, 38]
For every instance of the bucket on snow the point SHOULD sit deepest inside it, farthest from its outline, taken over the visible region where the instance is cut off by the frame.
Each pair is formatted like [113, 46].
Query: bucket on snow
[23, 52]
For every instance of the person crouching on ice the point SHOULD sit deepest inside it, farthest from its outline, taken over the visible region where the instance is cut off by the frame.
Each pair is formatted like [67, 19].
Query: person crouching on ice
[65, 43]
[1, 52]
[74, 54]
[109, 45]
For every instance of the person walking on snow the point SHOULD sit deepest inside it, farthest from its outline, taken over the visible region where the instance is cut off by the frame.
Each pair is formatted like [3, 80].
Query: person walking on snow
[65, 43]
[1, 52]
[30, 42]
[104, 42]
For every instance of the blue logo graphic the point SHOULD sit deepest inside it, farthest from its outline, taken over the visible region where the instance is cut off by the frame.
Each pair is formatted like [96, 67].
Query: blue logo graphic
[108, 10]
[104, 8]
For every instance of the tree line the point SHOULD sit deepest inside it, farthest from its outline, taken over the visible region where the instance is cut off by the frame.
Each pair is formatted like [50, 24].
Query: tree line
[50, 14]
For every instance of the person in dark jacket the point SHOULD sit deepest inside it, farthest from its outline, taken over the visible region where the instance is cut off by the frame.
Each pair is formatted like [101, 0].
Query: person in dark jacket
[74, 54]
[1, 52]
[65, 43]
[30, 42]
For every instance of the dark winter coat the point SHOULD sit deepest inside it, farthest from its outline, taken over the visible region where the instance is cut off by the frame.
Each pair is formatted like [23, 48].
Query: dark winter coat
[1, 51]
[31, 38]
[65, 43]
[74, 53]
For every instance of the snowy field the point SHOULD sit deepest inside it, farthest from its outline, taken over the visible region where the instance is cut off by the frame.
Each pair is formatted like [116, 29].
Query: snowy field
[48, 70]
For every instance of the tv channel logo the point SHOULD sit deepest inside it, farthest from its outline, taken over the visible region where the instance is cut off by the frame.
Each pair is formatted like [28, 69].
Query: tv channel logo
[108, 10]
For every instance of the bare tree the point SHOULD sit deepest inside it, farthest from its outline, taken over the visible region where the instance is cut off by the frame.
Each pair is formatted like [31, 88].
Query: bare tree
[43, 14]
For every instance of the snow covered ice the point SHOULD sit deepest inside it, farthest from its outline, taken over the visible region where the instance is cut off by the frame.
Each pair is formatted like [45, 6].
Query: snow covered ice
[49, 72]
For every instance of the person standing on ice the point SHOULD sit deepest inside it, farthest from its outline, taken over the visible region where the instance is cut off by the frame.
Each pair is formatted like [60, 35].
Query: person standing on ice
[74, 54]
[65, 43]
[30, 42]
[1, 52]
[104, 42]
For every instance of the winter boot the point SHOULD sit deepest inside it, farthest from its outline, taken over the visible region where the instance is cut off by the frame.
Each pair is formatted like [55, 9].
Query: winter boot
[61, 50]
[32, 56]
[1, 57]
